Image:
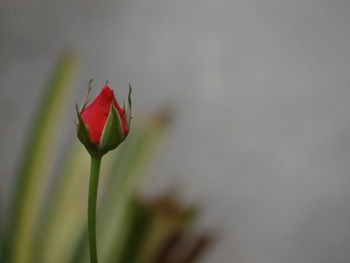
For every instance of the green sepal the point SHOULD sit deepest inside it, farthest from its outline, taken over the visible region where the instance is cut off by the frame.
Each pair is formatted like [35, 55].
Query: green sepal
[112, 134]
[83, 135]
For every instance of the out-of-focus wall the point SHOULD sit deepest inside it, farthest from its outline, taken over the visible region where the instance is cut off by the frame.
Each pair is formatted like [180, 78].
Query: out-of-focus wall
[261, 90]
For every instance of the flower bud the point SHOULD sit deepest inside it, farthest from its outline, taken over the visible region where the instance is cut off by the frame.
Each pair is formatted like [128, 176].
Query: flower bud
[103, 124]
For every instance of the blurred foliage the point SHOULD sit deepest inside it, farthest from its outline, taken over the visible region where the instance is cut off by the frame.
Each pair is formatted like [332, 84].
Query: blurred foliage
[48, 223]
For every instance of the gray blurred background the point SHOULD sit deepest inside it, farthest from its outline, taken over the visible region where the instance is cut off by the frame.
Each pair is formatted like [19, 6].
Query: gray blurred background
[261, 91]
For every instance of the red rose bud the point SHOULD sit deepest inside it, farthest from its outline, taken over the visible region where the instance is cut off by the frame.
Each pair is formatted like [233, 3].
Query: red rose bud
[103, 124]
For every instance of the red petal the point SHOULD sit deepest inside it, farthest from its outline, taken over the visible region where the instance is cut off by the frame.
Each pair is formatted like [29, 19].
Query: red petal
[95, 115]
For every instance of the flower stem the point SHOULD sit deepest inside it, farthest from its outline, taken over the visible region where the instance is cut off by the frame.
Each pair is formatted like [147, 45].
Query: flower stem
[94, 175]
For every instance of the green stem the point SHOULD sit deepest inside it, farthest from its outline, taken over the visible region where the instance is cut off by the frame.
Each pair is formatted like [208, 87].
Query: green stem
[94, 175]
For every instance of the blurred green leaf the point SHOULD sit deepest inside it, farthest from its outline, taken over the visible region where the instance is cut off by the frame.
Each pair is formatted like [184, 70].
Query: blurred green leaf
[66, 211]
[123, 182]
[31, 181]
[66, 220]
[2, 248]
[133, 232]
